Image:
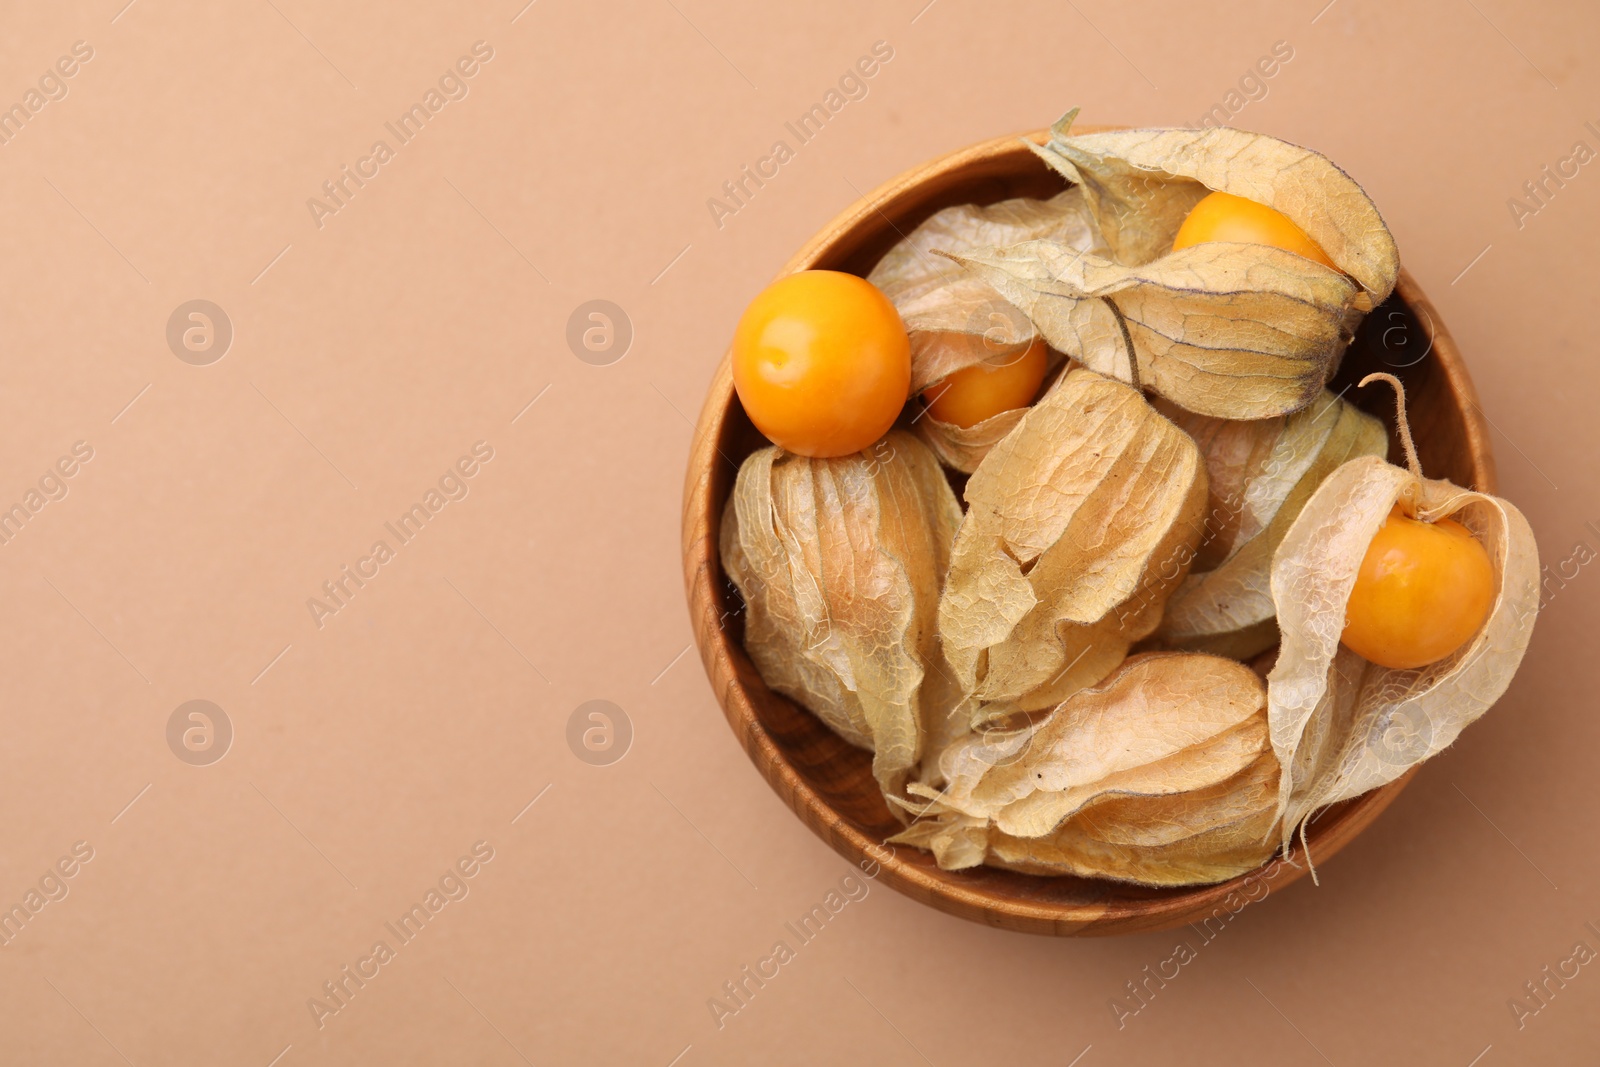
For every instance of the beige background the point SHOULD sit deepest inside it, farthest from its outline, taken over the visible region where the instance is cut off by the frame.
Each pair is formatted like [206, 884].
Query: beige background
[427, 313]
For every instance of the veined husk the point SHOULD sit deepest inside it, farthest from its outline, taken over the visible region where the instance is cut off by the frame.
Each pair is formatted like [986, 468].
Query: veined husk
[1342, 725]
[1261, 474]
[839, 562]
[955, 319]
[962, 448]
[1220, 833]
[1235, 331]
[1162, 775]
[1079, 525]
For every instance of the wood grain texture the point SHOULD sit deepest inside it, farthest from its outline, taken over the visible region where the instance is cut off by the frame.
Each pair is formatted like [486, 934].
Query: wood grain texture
[829, 783]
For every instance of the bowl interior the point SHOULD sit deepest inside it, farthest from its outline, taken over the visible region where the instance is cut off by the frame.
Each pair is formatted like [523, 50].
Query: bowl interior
[827, 781]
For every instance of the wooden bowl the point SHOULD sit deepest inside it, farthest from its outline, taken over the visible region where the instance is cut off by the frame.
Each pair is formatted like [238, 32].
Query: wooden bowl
[829, 783]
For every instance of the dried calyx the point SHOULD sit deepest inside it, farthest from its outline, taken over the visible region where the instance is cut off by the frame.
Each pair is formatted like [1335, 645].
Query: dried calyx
[839, 562]
[1079, 525]
[1162, 774]
[955, 319]
[1342, 725]
[1261, 473]
[1236, 331]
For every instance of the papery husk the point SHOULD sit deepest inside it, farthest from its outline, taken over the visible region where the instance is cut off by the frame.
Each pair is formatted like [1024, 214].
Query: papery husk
[839, 562]
[1235, 331]
[1342, 725]
[1141, 184]
[954, 319]
[1235, 452]
[956, 841]
[962, 448]
[1215, 835]
[1080, 523]
[1261, 474]
[1230, 330]
[1164, 722]
[1163, 775]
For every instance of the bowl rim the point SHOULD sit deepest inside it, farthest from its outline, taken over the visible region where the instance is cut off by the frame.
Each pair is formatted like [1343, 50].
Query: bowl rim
[1336, 826]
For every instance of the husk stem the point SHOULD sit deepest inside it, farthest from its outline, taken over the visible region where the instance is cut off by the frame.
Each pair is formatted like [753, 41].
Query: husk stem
[1402, 425]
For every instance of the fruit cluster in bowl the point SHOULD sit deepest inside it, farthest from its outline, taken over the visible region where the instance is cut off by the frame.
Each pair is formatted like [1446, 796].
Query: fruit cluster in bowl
[1063, 524]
